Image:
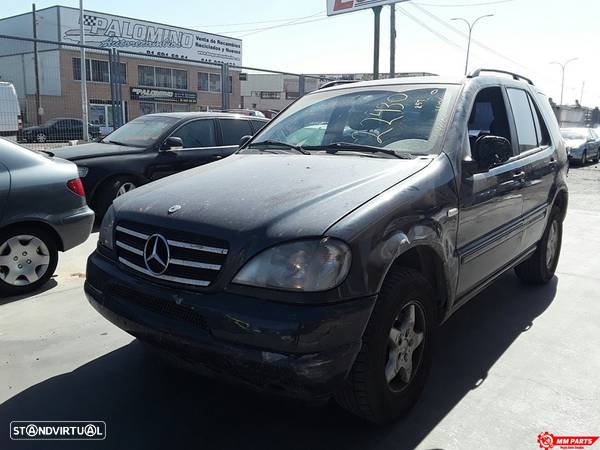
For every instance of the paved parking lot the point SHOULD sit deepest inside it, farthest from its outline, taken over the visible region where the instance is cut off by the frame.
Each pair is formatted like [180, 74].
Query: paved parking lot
[514, 362]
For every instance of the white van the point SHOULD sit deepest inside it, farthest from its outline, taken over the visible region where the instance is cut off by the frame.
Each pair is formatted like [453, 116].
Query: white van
[10, 113]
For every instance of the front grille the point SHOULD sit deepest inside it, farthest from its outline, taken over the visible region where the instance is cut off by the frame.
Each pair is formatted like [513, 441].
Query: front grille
[194, 260]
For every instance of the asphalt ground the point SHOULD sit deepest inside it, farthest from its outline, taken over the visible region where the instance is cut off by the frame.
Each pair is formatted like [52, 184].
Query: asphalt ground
[514, 362]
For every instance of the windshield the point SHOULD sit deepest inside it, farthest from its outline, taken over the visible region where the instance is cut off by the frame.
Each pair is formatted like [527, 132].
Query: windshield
[574, 134]
[141, 132]
[405, 118]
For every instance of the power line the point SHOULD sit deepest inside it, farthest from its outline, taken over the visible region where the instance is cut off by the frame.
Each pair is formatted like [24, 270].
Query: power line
[287, 24]
[428, 28]
[260, 22]
[440, 5]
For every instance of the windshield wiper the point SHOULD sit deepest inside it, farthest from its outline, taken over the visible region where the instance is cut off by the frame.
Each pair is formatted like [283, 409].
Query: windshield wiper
[335, 147]
[114, 142]
[270, 142]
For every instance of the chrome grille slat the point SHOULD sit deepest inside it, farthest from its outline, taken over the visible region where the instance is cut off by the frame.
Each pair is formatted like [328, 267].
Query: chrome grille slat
[164, 277]
[196, 262]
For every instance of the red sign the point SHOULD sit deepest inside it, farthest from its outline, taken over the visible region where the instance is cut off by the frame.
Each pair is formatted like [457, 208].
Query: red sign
[344, 6]
[548, 440]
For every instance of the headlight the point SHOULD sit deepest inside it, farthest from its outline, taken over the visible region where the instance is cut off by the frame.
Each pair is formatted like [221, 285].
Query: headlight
[308, 266]
[106, 236]
[83, 171]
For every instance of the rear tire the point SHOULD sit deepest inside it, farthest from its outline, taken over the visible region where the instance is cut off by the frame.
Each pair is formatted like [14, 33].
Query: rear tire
[539, 268]
[584, 158]
[371, 390]
[36, 254]
[109, 191]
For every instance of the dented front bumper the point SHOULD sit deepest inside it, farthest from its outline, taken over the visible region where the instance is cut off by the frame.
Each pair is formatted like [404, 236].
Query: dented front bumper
[304, 351]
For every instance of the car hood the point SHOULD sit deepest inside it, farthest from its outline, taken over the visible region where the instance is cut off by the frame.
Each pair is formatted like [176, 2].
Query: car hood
[574, 143]
[265, 198]
[93, 150]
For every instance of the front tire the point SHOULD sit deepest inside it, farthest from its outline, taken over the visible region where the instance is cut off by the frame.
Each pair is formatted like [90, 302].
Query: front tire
[392, 366]
[28, 258]
[539, 268]
[584, 158]
[41, 138]
[109, 191]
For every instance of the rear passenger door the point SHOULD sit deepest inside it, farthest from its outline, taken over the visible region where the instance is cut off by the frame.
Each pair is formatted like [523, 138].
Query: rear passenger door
[232, 130]
[536, 152]
[199, 148]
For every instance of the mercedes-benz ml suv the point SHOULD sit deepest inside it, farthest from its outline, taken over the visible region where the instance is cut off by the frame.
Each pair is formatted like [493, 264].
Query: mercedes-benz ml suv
[319, 259]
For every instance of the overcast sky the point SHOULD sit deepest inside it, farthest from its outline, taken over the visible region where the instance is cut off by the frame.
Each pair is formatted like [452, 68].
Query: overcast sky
[523, 36]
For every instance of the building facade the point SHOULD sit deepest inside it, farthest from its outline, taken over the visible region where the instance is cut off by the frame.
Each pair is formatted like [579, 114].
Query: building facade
[159, 68]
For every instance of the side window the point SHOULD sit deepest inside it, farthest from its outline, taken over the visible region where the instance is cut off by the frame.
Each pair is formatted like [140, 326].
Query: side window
[200, 133]
[524, 122]
[257, 125]
[488, 117]
[540, 126]
[234, 129]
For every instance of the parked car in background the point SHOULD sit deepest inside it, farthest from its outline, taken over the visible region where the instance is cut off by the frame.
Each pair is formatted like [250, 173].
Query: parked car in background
[583, 144]
[60, 129]
[323, 269]
[154, 146]
[11, 120]
[42, 211]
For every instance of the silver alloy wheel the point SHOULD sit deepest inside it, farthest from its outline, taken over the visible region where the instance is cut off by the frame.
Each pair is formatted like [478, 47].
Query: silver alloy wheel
[24, 259]
[125, 188]
[404, 341]
[552, 244]
[41, 138]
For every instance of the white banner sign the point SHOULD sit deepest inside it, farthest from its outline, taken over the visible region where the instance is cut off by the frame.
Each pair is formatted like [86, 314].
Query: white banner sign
[335, 7]
[108, 31]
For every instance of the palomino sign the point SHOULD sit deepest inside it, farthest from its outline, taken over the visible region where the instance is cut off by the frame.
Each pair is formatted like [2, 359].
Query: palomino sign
[108, 31]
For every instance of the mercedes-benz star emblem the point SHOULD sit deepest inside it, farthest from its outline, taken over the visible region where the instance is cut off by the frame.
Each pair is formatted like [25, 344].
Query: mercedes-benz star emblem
[157, 254]
[174, 209]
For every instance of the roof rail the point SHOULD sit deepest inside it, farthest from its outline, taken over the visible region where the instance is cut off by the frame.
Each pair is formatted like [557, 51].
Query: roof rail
[336, 83]
[515, 76]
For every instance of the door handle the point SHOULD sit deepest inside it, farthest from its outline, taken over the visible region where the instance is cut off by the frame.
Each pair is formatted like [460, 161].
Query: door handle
[520, 176]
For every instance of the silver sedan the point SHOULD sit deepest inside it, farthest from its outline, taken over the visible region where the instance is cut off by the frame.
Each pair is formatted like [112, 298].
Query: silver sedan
[43, 210]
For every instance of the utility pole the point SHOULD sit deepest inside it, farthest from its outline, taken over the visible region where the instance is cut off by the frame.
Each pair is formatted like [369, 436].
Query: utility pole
[563, 66]
[377, 12]
[581, 96]
[392, 40]
[36, 69]
[84, 100]
[471, 26]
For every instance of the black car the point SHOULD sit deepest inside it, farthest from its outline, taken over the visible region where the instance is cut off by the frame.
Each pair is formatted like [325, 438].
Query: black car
[152, 147]
[319, 260]
[60, 129]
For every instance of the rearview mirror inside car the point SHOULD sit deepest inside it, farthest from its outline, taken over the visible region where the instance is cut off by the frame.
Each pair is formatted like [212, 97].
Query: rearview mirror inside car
[491, 151]
[172, 143]
[244, 140]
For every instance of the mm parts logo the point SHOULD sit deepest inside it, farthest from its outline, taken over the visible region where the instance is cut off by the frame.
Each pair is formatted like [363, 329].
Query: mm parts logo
[549, 441]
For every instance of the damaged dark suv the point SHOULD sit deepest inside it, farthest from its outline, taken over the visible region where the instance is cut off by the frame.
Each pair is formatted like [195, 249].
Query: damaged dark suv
[319, 260]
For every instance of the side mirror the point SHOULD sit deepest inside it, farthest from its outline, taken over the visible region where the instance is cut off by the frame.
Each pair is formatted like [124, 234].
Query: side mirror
[491, 151]
[172, 144]
[244, 140]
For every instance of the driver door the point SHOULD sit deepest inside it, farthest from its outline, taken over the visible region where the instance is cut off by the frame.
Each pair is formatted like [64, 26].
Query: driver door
[490, 228]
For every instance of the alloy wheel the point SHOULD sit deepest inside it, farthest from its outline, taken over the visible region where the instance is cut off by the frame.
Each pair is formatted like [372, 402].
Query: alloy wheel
[125, 188]
[552, 244]
[41, 138]
[24, 259]
[405, 347]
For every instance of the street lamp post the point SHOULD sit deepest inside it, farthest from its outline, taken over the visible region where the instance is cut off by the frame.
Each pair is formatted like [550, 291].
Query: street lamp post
[563, 66]
[471, 26]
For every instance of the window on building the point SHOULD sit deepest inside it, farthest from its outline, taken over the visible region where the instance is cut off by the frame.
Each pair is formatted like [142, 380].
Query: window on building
[147, 108]
[268, 95]
[163, 77]
[211, 82]
[291, 95]
[199, 133]
[97, 70]
[214, 82]
[233, 130]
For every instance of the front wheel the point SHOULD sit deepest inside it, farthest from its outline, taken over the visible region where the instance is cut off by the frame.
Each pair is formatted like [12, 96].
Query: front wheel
[109, 191]
[28, 259]
[391, 368]
[584, 158]
[41, 138]
[539, 268]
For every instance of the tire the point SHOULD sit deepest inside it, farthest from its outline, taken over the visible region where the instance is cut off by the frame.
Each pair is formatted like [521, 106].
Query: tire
[367, 392]
[584, 158]
[539, 268]
[110, 190]
[23, 242]
[41, 138]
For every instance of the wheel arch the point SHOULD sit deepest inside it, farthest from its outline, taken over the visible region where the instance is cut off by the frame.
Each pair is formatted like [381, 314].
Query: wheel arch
[561, 201]
[36, 223]
[101, 183]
